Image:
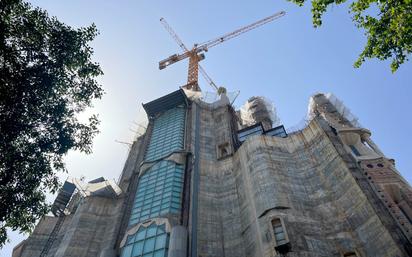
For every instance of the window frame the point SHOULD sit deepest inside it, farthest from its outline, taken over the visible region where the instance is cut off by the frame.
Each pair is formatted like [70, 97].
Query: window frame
[355, 151]
[272, 232]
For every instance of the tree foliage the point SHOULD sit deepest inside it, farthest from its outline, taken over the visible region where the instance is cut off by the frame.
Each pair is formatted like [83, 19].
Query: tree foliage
[46, 78]
[387, 25]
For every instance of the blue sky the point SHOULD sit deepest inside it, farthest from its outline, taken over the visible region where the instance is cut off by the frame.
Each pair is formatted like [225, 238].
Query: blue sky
[286, 60]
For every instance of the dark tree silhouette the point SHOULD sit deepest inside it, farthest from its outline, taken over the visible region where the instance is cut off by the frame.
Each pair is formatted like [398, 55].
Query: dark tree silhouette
[46, 79]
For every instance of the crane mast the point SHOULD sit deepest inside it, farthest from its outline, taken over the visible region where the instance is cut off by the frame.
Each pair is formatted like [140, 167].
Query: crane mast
[196, 54]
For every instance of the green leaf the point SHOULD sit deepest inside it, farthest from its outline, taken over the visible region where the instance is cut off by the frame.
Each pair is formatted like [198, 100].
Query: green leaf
[47, 78]
[388, 32]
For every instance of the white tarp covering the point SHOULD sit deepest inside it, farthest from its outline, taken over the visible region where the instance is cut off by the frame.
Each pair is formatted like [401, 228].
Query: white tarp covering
[257, 104]
[210, 97]
[338, 104]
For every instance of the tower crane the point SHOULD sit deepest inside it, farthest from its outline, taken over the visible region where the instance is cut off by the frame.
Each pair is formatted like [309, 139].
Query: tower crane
[185, 49]
[196, 54]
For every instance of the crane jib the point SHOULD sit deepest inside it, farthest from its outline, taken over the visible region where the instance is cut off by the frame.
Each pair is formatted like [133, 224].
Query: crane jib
[195, 53]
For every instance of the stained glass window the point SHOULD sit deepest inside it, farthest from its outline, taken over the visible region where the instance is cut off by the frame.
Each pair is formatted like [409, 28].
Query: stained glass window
[167, 135]
[159, 192]
[147, 242]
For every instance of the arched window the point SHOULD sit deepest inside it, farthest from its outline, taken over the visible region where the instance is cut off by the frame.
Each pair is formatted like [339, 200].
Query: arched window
[354, 150]
[281, 238]
[167, 135]
[159, 192]
[279, 232]
[151, 241]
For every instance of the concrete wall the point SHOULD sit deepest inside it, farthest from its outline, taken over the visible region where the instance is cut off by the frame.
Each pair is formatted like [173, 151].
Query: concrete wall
[302, 179]
[85, 233]
[310, 180]
[34, 245]
[89, 228]
[218, 218]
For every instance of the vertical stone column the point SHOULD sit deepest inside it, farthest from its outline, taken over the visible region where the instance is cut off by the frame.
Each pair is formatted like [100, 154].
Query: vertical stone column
[178, 242]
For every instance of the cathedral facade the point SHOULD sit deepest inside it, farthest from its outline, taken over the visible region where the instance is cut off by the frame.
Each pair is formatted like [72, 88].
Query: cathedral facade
[206, 180]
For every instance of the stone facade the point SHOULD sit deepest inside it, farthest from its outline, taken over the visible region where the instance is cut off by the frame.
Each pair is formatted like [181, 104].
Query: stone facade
[326, 190]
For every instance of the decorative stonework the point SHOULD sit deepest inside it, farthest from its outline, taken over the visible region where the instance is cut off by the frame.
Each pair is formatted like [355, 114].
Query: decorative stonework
[158, 221]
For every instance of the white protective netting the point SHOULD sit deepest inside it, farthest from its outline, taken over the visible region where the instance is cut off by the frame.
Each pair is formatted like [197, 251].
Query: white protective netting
[338, 104]
[210, 97]
[258, 104]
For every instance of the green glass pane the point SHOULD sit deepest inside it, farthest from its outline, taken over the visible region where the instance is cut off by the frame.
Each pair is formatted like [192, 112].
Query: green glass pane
[159, 253]
[177, 189]
[137, 248]
[151, 231]
[127, 251]
[160, 241]
[155, 203]
[141, 234]
[133, 221]
[176, 195]
[161, 229]
[175, 205]
[173, 210]
[156, 208]
[149, 245]
[176, 201]
[154, 214]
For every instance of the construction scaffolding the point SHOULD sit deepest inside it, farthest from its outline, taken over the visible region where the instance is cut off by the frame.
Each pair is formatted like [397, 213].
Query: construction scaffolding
[259, 109]
[339, 106]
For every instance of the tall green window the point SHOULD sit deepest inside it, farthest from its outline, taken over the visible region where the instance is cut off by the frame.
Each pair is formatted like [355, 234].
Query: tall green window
[167, 135]
[147, 242]
[159, 192]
